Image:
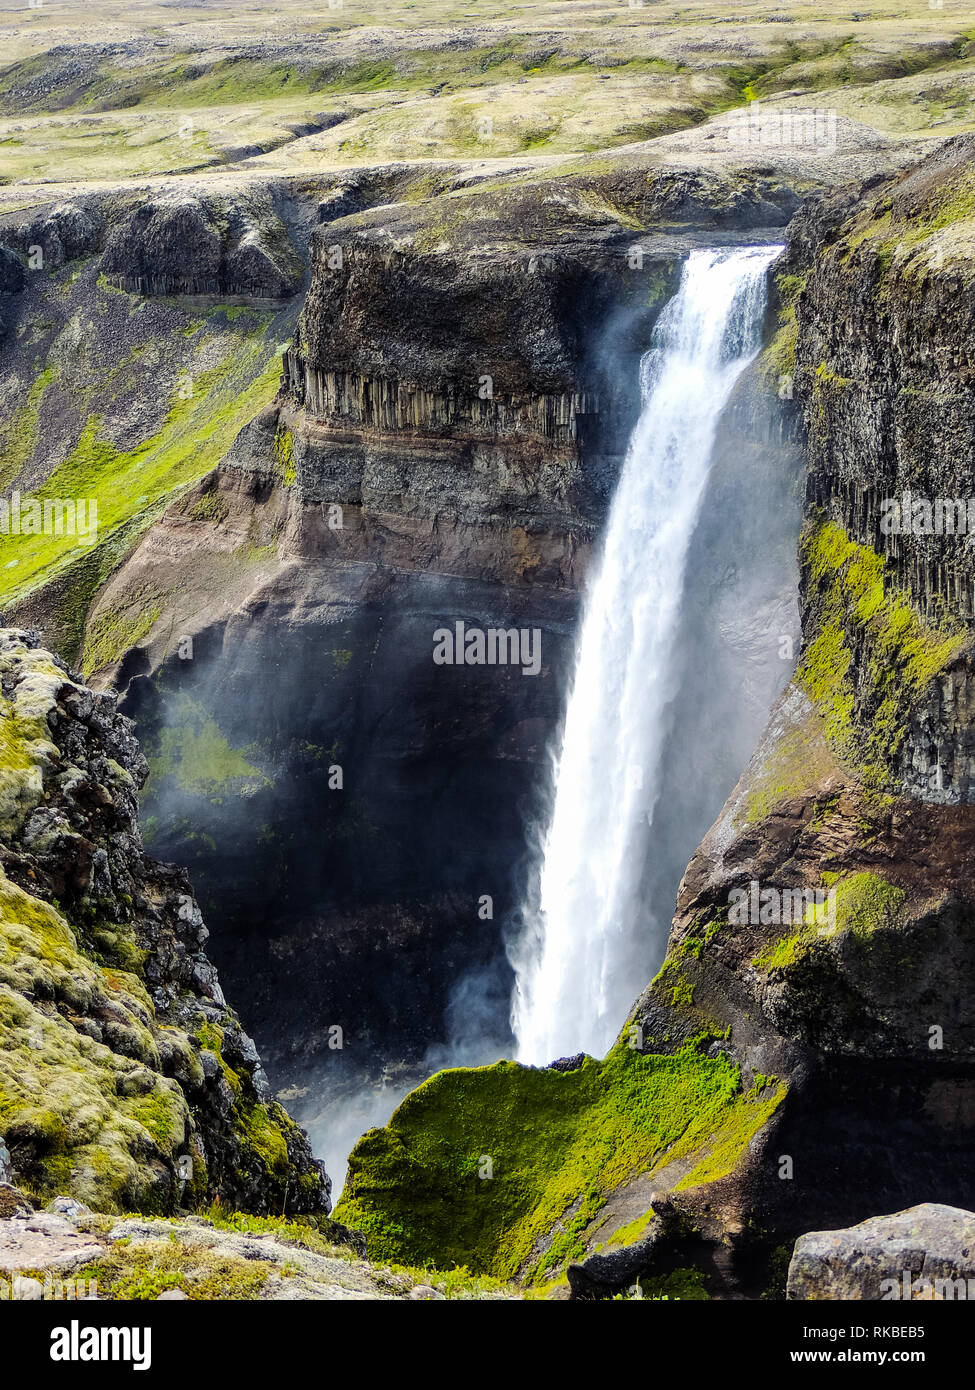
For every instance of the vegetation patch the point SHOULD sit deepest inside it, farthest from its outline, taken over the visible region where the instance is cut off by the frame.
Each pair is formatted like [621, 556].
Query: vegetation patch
[898, 652]
[555, 1143]
[122, 484]
[191, 750]
[864, 904]
[144, 1269]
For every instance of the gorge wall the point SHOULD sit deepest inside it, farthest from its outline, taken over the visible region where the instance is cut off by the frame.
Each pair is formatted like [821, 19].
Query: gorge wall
[789, 1067]
[435, 442]
[450, 425]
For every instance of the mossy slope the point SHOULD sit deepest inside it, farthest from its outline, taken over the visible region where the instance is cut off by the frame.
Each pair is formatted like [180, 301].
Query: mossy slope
[557, 1144]
[869, 656]
[124, 1078]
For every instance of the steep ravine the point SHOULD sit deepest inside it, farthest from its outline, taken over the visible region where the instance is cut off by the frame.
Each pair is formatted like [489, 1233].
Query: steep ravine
[450, 426]
[346, 805]
[779, 1075]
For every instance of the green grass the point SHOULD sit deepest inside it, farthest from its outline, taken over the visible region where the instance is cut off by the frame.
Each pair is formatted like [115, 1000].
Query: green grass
[194, 436]
[19, 434]
[558, 1142]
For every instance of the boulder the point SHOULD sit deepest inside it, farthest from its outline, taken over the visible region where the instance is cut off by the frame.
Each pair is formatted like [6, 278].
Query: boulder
[925, 1252]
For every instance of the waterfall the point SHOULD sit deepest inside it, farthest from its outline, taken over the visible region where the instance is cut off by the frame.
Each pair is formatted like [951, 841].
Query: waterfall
[584, 953]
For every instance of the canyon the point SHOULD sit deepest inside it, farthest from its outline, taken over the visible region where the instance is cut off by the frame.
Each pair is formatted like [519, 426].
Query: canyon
[331, 403]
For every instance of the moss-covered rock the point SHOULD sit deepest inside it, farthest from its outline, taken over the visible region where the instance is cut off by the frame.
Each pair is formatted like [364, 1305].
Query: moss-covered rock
[124, 1077]
[507, 1169]
[871, 663]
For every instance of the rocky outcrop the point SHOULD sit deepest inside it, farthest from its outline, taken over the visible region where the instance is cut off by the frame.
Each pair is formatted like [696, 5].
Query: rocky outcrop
[926, 1253]
[127, 1079]
[74, 1253]
[881, 291]
[66, 232]
[894, 268]
[12, 277]
[187, 245]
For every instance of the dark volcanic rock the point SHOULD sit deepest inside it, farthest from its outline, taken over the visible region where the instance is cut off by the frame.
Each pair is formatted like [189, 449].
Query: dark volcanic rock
[185, 245]
[69, 232]
[12, 274]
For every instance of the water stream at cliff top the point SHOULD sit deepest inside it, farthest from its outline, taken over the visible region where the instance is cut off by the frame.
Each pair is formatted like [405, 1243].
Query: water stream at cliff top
[587, 948]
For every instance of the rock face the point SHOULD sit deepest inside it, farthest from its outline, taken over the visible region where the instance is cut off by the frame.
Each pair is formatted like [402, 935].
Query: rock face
[44, 1240]
[452, 412]
[891, 449]
[822, 949]
[925, 1253]
[67, 232]
[187, 245]
[127, 1079]
[451, 421]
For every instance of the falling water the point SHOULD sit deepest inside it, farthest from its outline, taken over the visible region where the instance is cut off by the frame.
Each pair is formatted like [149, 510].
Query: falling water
[585, 952]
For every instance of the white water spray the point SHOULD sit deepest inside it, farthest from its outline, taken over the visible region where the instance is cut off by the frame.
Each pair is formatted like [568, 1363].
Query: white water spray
[585, 952]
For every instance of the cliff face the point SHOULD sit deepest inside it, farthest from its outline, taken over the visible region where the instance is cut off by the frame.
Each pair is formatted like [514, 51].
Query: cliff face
[452, 410]
[377, 796]
[884, 368]
[451, 421]
[127, 1078]
[822, 950]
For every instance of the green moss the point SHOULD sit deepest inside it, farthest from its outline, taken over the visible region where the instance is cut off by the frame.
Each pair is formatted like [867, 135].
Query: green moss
[143, 1270]
[558, 1142]
[195, 435]
[632, 1232]
[163, 1113]
[210, 507]
[864, 903]
[65, 1109]
[192, 752]
[797, 764]
[681, 1284]
[898, 653]
[112, 634]
[20, 433]
[779, 358]
[284, 454]
[264, 1135]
